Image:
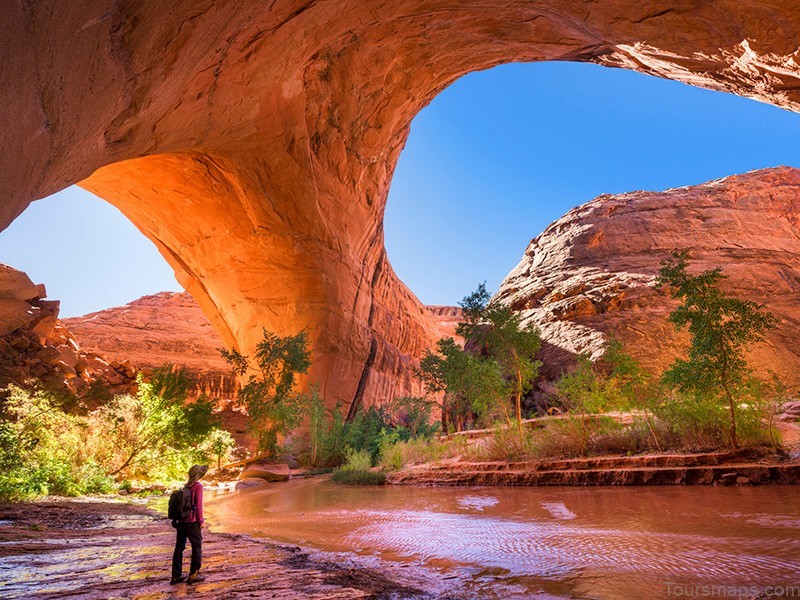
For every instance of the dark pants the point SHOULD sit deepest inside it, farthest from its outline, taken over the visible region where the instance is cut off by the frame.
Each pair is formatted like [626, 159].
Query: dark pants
[192, 532]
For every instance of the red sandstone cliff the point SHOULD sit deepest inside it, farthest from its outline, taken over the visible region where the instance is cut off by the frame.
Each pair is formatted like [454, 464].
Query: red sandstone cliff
[446, 319]
[170, 328]
[591, 272]
[255, 145]
[165, 328]
[36, 346]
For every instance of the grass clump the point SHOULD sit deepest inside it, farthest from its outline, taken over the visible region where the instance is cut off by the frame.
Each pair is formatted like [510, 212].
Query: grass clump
[357, 470]
[397, 453]
[350, 477]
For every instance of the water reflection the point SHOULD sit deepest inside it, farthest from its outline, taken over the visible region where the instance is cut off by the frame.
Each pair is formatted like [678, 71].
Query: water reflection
[586, 542]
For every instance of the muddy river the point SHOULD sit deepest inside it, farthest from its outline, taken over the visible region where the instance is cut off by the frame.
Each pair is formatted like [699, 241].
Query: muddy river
[608, 543]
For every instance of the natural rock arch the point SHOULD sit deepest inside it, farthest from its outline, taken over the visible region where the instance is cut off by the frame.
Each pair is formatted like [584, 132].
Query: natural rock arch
[255, 144]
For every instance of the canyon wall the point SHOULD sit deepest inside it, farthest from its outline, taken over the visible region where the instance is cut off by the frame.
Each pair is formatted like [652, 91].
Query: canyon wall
[157, 330]
[170, 328]
[255, 145]
[591, 273]
[36, 347]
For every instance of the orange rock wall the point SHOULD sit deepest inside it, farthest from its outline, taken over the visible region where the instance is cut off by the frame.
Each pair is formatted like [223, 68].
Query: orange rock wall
[591, 273]
[255, 144]
[157, 330]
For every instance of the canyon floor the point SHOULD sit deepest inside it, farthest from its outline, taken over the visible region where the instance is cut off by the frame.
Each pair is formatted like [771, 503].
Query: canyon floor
[103, 548]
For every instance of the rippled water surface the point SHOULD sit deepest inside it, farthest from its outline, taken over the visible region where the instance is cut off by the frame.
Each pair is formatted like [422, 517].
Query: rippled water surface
[571, 542]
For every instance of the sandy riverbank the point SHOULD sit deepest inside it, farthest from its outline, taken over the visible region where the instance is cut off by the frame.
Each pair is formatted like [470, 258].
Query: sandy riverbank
[99, 548]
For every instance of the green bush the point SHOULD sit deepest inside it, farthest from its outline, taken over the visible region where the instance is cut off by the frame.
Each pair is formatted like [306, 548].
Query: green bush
[396, 453]
[45, 450]
[356, 460]
[330, 435]
[356, 469]
[411, 417]
[358, 477]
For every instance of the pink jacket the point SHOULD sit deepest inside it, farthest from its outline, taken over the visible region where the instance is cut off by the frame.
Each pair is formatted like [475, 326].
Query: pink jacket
[197, 502]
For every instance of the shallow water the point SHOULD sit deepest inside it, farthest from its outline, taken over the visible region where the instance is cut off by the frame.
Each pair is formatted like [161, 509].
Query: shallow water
[609, 543]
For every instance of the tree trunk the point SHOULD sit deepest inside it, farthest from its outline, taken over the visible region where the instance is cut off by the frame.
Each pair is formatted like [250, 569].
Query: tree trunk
[649, 420]
[519, 403]
[732, 406]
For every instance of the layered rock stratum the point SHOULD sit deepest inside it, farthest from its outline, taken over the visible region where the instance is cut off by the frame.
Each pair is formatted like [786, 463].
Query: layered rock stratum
[254, 143]
[167, 328]
[591, 273]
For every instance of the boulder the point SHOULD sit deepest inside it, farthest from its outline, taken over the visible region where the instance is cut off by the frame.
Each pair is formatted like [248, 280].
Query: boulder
[16, 285]
[14, 314]
[35, 345]
[267, 472]
[43, 328]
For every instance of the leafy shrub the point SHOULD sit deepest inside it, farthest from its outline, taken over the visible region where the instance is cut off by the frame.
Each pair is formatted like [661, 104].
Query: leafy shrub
[396, 453]
[356, 470]
[330, 435]
[364, 430]
[357, 460]
[45, 450]
[218, 445]
[411, 417]
[356, 477]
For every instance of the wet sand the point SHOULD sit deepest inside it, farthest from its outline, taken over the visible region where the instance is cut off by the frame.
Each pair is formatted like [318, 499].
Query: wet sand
[105, 548]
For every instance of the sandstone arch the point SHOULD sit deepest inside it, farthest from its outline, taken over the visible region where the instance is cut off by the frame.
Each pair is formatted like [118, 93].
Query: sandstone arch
[255, 143]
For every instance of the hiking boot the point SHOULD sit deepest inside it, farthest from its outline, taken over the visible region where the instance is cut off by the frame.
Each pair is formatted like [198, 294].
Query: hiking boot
[176, 580]
[195, 578]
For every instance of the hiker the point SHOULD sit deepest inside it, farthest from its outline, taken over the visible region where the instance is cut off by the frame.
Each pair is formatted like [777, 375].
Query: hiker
[188, 527]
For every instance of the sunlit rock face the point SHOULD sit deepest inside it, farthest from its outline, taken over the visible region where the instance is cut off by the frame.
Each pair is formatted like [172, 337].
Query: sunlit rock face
[167, 328]
[39, 350]
[255, 143]
[591, 273]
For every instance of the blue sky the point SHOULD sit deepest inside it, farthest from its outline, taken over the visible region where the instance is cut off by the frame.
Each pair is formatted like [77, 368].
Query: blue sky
[489, 164]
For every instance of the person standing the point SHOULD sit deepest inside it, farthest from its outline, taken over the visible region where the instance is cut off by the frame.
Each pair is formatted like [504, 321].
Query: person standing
[190, 529]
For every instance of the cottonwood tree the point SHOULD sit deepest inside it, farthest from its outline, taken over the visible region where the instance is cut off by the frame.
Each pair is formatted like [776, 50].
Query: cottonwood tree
[469, 382]
[585, 394]
[499, 333]
[218, 443]
[157, 418]
[721, 328]
[272, 404]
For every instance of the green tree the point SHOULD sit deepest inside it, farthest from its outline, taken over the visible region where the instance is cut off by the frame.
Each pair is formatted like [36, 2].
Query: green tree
[218, 443]
[498, 331]
[587, 393]
[269, 396]
[319, 426]
[721, 328]
[638, 388]
[411, 417]
[159, 417]
[469, 382]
